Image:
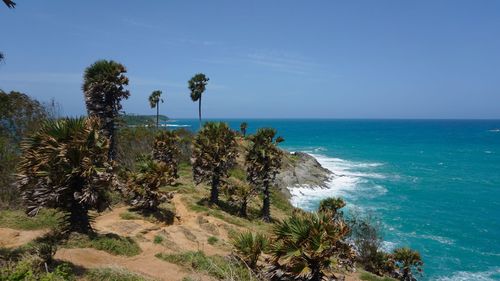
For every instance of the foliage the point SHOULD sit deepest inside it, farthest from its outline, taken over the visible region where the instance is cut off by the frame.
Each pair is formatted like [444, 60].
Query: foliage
[243, 128]
[11, 4]
[309, 246]
[212, 240]
[166, 150]
[214, 153]
[64, 165]
[158, 239]
[20, 115]
[144, 185]
[240, 193]
[133, 143]
[154, 101]
[409, 262]
[331, 204]
[263, 162]
[249, 246]
[111, 243]
[371, 277]
[197, 85]
[104, 88]
[216, 266]
[112, 274]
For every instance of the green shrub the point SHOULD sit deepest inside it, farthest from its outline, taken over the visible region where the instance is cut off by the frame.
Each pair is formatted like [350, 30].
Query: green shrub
[249, 246]
[212, 240]
[216, 266]
[113, 274]
[158, 239]
[111, 243]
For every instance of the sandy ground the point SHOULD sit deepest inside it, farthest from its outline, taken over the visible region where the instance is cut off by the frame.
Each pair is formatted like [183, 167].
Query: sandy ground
[188, 233]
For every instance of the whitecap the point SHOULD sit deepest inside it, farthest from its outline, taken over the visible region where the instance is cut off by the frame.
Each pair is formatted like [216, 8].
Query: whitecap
[489, 275]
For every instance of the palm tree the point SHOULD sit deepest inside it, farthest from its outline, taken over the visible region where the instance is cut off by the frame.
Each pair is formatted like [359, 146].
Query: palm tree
[10, 3]
[333, 205]
[249, 246]
[104, 87]
[408, 261]
[263, 162]
[145, 184]
[307, 246]
[214, 153]
[197, 85]
[154, 101]
[166, 150]
[65, 166]
[243, 128]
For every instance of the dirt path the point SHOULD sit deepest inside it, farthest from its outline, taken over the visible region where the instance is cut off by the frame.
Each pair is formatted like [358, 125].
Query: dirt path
[11, 238]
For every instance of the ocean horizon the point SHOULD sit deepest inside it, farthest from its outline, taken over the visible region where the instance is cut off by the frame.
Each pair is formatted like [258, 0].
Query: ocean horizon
[432, 184]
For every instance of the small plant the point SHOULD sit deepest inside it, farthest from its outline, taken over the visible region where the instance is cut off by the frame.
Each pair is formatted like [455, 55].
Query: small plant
[212, 240]
[409, 262]
[112, 274]
[332, 204]
[249, 246]
[158, 239]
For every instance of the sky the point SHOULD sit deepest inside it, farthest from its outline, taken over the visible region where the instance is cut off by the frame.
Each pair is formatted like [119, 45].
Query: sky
[265, 59]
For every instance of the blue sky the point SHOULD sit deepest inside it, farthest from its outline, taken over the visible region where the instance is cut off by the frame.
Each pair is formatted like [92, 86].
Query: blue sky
[265, 59]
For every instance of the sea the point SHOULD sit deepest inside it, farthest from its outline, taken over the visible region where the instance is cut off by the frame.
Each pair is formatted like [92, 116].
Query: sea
[433, 185]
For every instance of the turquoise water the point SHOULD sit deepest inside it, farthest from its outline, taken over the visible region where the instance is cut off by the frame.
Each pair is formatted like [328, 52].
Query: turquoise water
[435, 185]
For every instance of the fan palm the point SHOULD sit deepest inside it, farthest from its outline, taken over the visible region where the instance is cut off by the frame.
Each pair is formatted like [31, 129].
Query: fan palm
[308, 247]
[408, 261]
[263, 162]
[214, 153]
[197, 85]
[11, 4]
[243, 128]
[249, 246]
[145, 184]
[104, 87]
[65, 166]
[154, 101]
[333, 205]
[166, 150]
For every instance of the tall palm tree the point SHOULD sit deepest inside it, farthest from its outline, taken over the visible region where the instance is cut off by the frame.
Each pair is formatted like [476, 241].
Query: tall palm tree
[214, 153]
[104, 87]
[154, 101]
[307, 246]
[197, 85]
[11, 4]
[65, 166]
[263, 162]
[243, 128]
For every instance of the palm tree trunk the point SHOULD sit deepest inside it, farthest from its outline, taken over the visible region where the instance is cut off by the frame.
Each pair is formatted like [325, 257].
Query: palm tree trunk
[78, 219]
[157, 114]
[266, 206]
[199, 110]
[214, 191]
[112, 139]
[243, 208]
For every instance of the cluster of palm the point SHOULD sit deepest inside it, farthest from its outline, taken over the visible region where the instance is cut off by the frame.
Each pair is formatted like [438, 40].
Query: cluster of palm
[166, 150]
[65, 166]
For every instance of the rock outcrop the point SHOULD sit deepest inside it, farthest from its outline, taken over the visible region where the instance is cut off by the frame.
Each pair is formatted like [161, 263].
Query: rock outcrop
[301, 169]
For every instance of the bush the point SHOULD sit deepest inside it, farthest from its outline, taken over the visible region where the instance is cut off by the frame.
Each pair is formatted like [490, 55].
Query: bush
[111, 243]
[249, 246]
[216, 266]
[113, 274]
[212, 240]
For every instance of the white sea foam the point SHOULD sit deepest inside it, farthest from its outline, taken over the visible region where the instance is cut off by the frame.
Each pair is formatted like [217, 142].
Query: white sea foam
[347, 177]
[490, 275]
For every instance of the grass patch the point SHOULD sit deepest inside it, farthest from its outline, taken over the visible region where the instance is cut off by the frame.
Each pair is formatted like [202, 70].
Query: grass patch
[367, 276]
[158, 239]
[212, 240]
[46, 218]
[238, 173]
[111, 243]
[280, 201]
[215, 266]
[113, 274]
[130, 216]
